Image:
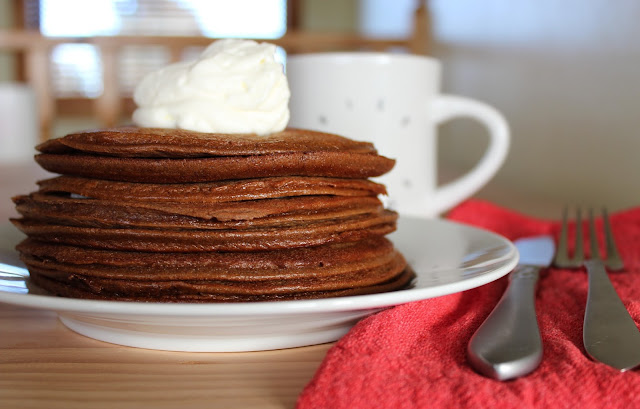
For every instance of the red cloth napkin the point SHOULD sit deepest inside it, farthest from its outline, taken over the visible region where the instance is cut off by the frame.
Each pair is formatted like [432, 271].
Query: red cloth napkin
[414, 355]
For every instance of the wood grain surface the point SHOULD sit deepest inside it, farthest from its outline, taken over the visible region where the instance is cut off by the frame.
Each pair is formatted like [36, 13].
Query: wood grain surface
[45, 365]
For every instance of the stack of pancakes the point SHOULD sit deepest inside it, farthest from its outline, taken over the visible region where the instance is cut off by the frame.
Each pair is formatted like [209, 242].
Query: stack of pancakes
[173, 215]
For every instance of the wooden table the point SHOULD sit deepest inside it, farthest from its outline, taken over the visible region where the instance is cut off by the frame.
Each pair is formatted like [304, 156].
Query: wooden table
[45, 365]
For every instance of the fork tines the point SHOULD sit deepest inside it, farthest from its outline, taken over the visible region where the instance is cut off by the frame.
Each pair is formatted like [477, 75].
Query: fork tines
[562, 259]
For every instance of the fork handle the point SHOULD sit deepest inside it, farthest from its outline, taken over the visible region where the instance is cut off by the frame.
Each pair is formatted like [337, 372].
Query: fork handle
[508, 344]
[610, 334]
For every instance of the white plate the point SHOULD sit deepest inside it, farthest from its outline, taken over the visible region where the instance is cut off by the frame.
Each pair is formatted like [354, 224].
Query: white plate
[447, 258]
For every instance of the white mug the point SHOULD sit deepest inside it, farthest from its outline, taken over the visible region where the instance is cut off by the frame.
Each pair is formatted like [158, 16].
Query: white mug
[394, 101]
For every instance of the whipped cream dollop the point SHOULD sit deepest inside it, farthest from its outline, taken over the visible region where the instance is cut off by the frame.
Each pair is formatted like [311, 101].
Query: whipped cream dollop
[235, 86]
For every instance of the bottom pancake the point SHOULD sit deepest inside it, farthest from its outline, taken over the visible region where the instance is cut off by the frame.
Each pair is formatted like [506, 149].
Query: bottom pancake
[402, 281]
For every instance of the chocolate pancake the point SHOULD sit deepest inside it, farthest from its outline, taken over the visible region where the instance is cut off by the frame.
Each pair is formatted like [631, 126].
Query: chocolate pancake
[346, 268]
[215, 192]
[329, 164]
[65, 210]
[178, 143]
[403, 280]
[217, 265]
[211, 200]
[192, 240]
[153, 156]
[243, 281]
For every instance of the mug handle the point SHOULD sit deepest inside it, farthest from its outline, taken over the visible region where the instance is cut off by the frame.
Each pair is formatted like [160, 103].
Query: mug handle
[446, 107]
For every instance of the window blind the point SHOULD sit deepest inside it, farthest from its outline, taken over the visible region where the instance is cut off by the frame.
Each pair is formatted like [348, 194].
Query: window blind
[77, 69]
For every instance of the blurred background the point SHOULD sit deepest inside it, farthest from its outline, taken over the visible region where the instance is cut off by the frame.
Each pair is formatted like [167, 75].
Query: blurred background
[565, 73]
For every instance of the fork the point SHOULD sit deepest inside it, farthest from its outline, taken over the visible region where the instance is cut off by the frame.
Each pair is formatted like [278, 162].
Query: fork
[609, 333]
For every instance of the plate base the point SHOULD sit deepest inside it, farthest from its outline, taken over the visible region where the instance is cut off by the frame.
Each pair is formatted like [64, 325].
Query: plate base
[215, 335]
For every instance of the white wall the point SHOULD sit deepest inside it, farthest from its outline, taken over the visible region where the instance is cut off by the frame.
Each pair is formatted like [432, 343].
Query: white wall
[566, 73]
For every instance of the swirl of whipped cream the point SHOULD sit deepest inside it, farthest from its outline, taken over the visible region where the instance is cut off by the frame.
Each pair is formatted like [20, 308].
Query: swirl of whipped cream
[235, 86]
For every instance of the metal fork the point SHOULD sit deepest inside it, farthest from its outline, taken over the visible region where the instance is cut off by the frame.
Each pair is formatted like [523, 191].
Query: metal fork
[609, 333]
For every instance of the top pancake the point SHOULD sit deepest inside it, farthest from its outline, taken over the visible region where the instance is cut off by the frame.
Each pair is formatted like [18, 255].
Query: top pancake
[150, 155]
[136, 142]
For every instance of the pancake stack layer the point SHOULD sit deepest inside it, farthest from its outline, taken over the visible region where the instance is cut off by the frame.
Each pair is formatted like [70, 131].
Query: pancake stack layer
[178, 216]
